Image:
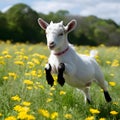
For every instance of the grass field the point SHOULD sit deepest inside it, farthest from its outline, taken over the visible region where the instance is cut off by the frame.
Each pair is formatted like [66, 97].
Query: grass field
[25, 95]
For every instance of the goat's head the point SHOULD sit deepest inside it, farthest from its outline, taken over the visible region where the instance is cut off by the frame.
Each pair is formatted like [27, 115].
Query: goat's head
[56, 33]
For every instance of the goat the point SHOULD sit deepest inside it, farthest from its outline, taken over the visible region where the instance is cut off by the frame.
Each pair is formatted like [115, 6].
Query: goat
[77, 70]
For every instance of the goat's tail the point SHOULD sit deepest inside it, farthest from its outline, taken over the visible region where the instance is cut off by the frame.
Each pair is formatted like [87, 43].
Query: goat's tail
[93, 53]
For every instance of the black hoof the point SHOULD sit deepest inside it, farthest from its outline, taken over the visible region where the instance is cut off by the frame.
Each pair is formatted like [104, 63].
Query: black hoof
[107, 96]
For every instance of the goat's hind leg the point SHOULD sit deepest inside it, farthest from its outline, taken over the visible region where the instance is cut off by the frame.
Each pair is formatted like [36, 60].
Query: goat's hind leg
[49, 77]
[103, 84]
[86, 93]
[61, 69]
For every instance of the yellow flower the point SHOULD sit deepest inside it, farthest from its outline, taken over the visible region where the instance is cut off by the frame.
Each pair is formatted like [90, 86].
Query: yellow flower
[44, 112]
[108, 62]
[16, 98]
[11, 118]
[102, 119]
[19, 62]
[0, 114]
[113, 112]
[90, 118]
[12, 74]
[18, 108]
[62, 92]
[48, 100]
[112, 84]
[5, 78]
[25, 103]
[94, 111]
[54, 115]
[68, 116]
[115, 63]
[28, 82]
[8, 56]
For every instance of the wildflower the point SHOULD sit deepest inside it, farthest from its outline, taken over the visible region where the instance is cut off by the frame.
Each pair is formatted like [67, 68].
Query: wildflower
[90, 118]
[62, 92]
[16, 98]
[115, 63]
[25, 103]
[68, 116]
[44, 112]
[31, 64]
[33, 73]
[30, 117]
[11, 118]
[0, 114]
[29, 87]
[108, 62]
[12, 74]
[94, 111]
[8, 56]
[19, 62]
[48, 100]
[113, 112]
[5, 78]
[18, 108]
[54, 115]
[28, 82]
[102, 119]
[112, 84]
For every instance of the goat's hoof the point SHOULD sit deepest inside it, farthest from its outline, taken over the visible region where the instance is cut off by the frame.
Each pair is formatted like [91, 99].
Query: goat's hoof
[107, 96]
[61, 81]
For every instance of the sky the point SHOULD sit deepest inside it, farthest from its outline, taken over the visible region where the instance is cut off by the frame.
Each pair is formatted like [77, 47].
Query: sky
[106, 9]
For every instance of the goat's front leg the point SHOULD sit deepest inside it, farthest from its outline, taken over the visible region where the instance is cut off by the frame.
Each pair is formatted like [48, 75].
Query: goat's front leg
[61, 69]
[49, 77]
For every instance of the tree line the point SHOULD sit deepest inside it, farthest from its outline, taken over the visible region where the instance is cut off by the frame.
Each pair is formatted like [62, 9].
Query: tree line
[19, 24]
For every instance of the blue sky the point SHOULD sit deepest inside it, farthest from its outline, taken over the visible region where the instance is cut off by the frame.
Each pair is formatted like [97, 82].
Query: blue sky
[106, 9]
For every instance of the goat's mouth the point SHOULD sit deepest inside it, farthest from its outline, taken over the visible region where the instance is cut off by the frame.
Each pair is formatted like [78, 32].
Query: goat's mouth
[51, 46]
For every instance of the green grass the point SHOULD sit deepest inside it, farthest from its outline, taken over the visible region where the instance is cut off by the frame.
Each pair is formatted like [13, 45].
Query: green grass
[22, 79]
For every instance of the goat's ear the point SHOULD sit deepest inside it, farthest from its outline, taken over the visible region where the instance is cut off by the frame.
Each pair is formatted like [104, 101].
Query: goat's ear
[43, 24]
[70, 26]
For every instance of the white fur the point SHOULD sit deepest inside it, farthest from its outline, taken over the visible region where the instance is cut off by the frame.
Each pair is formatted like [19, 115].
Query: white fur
[80, 70]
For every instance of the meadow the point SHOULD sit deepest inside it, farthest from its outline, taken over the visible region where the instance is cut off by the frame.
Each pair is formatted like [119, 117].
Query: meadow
[25, 94]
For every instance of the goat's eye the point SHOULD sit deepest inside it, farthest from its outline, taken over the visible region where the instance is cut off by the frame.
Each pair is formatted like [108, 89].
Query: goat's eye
[60, 34]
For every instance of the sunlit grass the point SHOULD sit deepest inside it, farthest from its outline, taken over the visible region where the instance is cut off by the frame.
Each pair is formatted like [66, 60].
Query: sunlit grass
[25, 94]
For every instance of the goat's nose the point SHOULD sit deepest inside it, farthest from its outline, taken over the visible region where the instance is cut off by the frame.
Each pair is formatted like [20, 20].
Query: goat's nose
[51, 43]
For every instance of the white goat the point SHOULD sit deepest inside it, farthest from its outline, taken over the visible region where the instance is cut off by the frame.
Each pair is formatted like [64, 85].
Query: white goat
[78, 70]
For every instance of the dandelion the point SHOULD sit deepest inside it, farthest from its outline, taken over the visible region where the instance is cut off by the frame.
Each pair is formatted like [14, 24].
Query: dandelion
[115, 63]
[62, 92]
[11, 118]
[102, 119]
[90, 118]
[94, 111]
[48, 100]
[44, 112]
[28, 82]
[16, 98]
[0, 114]
[112, 84]
[18, 108]
[12, 74]
[8, 56]
[19, 62]
[113, 112]
[108, 62]
[25, 103]
[5, 78]
[54, 115]
[68, 116]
